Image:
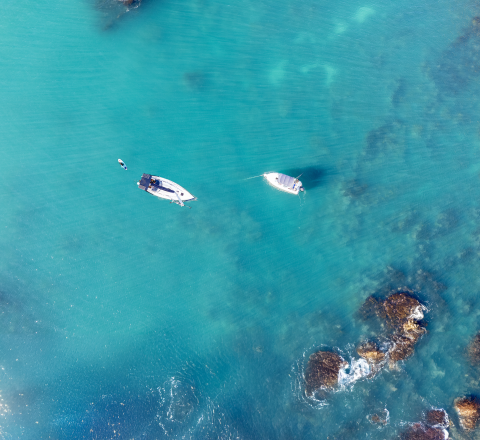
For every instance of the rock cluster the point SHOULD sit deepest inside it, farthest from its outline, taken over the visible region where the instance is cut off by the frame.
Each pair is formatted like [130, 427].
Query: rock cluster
[322, 370]
[468, 410]
[434, 427]
[402, 314]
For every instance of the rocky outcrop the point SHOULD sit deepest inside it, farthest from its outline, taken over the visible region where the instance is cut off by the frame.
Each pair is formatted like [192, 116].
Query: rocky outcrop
[403, 314]
[397, 309]
[437, 417]
[322, 370]
[468, 410]
[401, 307]
[371, 353]
[420, 432]
[434, 427]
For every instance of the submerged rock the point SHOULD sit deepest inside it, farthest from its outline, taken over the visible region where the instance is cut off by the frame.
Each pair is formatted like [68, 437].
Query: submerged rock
[195, 80]
[468, 410]
[375, 418]
[381, 419]
[370, 308]
[322, 370]
[371, 353]
[474, 350]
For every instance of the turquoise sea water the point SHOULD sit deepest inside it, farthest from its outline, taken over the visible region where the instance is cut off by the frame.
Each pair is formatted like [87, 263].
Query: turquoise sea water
[125, 317]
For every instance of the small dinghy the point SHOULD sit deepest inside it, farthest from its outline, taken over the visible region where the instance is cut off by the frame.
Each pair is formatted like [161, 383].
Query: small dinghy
[165, 189]
[122, 164]
[284, 183]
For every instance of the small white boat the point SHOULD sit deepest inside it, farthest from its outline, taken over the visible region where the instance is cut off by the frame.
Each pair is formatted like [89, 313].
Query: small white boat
[165, 189]
[122, 164]
[284, 183]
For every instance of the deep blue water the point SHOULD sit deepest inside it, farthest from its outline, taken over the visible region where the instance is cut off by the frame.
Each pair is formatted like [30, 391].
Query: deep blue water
[125, 317]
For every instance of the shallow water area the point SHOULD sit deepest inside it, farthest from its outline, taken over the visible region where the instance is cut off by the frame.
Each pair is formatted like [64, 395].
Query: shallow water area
[123, 315]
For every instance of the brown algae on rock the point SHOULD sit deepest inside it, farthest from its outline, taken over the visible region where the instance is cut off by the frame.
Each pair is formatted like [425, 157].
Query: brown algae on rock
[322, 370]
[468, 410]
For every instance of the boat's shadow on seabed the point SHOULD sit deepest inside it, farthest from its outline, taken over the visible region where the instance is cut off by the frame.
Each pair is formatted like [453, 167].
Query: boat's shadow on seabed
[311, 177]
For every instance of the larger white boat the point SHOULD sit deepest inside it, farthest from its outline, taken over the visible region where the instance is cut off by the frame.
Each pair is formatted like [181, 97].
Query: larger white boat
[284, 183]
[165, 189]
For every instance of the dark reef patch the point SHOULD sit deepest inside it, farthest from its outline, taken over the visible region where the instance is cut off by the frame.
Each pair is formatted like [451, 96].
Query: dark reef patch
[354, 189]
[459, 65]
[446, 222]
[404, 221]
[195, 81]
[385, 138]
[399, 93]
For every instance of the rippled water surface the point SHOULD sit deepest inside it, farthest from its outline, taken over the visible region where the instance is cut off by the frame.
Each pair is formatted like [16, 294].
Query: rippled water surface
[122, 316]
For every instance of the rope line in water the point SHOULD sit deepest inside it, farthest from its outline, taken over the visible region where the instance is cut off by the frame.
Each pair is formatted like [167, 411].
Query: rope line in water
[248, 178]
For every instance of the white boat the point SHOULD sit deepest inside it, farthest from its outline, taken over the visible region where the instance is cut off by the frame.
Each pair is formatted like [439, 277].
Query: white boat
[284, 183]
[165, 189]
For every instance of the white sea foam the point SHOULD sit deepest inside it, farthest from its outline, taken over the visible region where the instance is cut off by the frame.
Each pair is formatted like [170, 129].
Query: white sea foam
[353, 372]
[417, 313]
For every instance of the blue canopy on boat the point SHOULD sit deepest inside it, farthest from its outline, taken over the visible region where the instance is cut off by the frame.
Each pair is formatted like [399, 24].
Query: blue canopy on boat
[145, 181]
[285, 180]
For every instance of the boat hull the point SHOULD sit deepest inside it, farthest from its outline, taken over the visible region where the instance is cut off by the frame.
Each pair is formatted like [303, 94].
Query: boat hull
[165, 189]
[272, 180]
